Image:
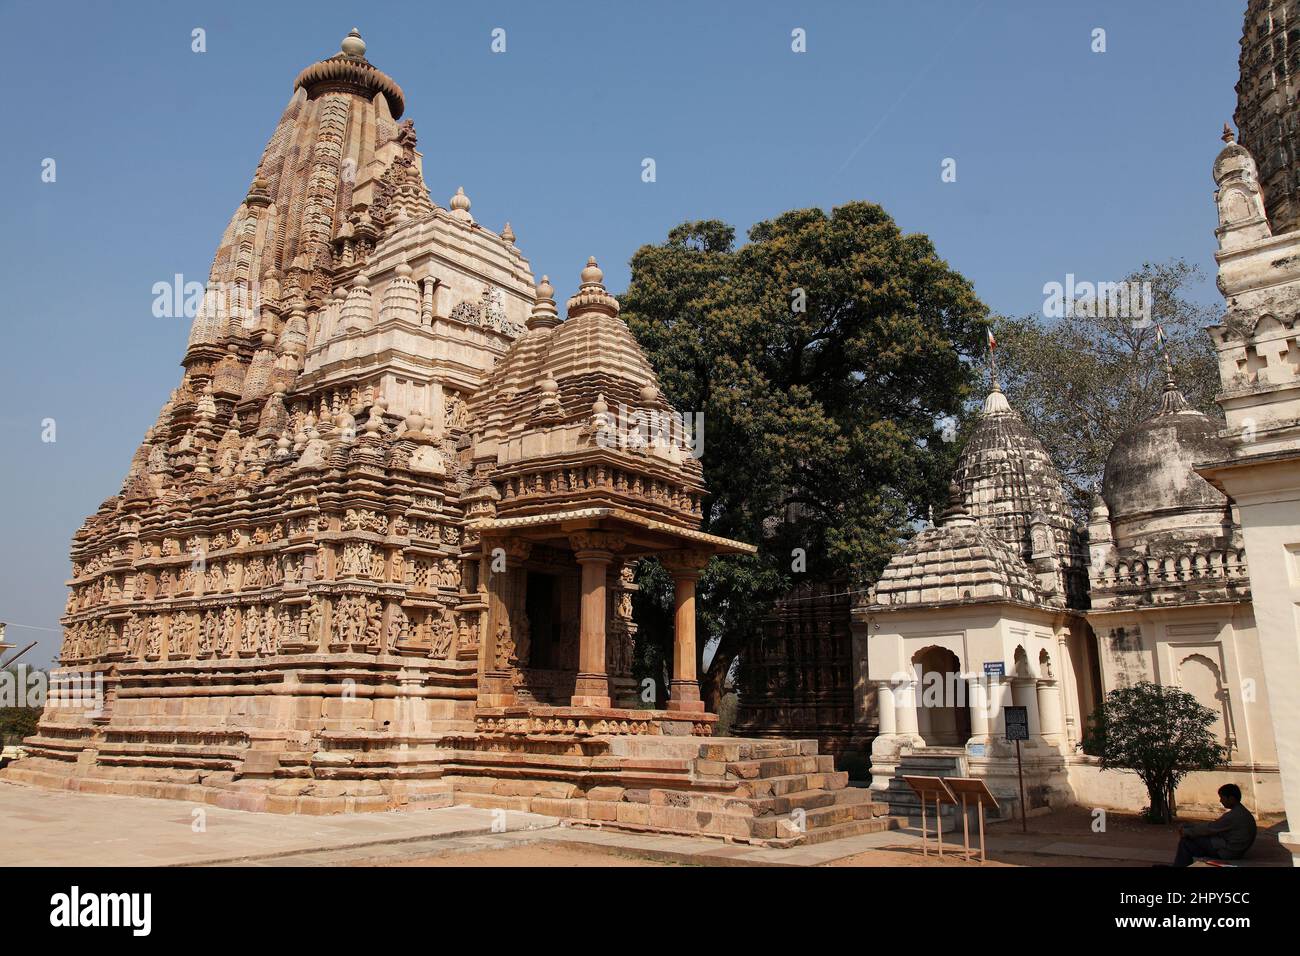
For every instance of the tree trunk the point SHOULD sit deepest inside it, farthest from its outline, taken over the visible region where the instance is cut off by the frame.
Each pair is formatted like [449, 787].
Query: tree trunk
[713, 681]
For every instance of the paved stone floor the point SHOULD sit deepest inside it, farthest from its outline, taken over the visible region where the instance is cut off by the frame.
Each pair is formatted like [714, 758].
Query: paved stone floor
[58, 828]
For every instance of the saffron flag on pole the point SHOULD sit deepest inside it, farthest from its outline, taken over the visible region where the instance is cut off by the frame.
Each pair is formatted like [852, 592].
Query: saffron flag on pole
[993, 342]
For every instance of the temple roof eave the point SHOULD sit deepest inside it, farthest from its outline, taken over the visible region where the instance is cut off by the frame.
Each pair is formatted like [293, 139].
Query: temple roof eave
[563, 522]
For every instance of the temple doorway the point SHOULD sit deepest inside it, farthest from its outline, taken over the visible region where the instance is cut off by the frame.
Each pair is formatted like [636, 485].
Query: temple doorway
[942, 714]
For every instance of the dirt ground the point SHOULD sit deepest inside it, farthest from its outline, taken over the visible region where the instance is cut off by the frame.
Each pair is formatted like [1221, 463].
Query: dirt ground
[1073, 825]
[531, 855]
[1007, 846]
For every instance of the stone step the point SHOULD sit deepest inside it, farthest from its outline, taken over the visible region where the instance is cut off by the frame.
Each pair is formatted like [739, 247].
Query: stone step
[780, 786]
[775, 767]
[811, 799]
[850, 829]
[836, 814]
[733, 749]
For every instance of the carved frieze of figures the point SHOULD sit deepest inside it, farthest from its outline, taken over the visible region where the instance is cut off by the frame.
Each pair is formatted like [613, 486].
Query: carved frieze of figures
[216, 578]
[255, 573]
[401, 526]
[357, 620]
[456, 413]
[357, 557]
[377, 561]
[450, 535]
[165, 583]
[272, 574]
[170, 548]
[363, 519]
[449, 574]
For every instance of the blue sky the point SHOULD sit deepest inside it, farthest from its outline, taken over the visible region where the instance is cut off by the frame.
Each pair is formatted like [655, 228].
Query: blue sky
[1068, 161]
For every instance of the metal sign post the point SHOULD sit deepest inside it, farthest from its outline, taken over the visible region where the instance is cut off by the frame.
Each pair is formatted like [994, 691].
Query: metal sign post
[1017, 721]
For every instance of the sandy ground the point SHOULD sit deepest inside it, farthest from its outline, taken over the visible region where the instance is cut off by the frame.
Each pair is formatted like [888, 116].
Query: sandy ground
[1007, 846]
[530, 855]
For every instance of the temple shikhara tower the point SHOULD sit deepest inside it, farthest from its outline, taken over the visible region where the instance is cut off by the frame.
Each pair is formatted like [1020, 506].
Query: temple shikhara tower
[377, 549]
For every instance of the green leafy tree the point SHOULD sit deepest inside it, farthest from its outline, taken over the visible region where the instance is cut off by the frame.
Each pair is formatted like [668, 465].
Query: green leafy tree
[1159, 733]
[826, 354]
[1082, 380]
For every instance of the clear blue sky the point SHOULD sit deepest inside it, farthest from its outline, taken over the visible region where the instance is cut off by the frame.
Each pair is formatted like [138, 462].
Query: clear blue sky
[1067, 161]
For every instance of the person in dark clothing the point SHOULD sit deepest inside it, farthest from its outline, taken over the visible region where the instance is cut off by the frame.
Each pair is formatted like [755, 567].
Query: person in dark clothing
[1227, 838]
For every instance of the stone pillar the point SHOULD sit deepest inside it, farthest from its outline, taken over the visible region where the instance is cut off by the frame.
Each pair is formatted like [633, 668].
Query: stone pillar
[1049, 711]
[503, 560]
[685, 567]
[906, 701]
[885, 708]
[978, 705]
[995, 691]
[594, 551]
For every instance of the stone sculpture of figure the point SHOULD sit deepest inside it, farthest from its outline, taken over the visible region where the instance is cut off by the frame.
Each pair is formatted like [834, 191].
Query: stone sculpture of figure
[208, 632]
[374, 612]
[505, 647]
[397, 628]
[135, 637]
[443, 632]
[270, 634]
[153, 637]
[252, 636]
[314, 621]
[227, 640]
[523, 633]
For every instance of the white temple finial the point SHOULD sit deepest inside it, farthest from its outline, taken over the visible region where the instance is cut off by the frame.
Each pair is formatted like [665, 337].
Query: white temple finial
[460, 205]
[352, 44]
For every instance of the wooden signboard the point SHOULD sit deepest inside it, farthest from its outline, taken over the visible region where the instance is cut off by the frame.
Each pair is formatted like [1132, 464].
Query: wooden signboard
[972, 790]
[931, 788]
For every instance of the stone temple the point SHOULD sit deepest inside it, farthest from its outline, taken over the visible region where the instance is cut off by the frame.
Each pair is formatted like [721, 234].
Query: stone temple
[377, 549]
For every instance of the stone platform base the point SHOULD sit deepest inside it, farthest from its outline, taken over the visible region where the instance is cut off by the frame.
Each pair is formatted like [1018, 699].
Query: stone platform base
[650, 774]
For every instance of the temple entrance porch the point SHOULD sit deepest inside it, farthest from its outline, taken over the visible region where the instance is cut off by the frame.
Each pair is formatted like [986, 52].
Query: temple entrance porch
[558, 632]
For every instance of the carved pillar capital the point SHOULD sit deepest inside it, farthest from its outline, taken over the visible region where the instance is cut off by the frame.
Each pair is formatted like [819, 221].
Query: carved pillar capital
[608, 542]
[515, 549]
[685, 563]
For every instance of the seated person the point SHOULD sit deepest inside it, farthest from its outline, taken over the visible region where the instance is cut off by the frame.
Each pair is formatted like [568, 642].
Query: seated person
[1227, 838]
